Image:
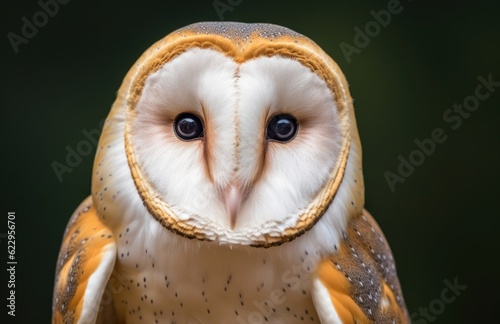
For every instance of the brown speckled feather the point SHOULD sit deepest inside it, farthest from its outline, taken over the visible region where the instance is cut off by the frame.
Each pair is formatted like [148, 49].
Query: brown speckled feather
[85, 261]
[361, 278]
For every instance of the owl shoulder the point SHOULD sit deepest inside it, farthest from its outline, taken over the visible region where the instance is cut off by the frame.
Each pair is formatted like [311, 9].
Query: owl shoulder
[84, 266]
[360, 279]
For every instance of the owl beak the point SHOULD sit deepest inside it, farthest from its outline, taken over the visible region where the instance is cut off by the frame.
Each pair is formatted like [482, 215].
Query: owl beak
[233, 197]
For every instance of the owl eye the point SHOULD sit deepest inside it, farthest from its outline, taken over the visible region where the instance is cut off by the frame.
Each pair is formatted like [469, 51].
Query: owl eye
[188, 126]
[282, 128]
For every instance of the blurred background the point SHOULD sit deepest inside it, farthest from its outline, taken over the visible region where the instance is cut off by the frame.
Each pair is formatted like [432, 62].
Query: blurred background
[405, 77]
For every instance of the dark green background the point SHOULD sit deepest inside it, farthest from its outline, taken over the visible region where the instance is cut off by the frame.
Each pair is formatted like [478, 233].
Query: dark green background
[440, 222]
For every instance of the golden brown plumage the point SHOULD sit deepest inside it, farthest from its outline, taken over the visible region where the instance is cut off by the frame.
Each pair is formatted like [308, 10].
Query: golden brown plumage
[361, 278]
[86, 242]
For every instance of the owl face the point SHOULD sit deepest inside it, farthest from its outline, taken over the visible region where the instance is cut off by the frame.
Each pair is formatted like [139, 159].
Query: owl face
[239, 135]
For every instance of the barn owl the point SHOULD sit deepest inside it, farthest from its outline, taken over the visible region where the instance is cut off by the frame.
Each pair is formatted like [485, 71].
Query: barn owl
[227, 187]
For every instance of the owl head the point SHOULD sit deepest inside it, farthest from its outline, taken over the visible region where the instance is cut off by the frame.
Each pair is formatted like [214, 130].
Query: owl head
[241, 134]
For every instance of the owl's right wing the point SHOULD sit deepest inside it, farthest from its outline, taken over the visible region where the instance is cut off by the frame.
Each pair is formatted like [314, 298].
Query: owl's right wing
[359, 284]
[84, 266]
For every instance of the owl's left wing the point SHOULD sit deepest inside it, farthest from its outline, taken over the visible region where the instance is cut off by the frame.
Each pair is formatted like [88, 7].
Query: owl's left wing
[359, 283]
[84, 266]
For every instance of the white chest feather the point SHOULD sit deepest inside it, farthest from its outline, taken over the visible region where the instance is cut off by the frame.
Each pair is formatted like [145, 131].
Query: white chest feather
[175, 280]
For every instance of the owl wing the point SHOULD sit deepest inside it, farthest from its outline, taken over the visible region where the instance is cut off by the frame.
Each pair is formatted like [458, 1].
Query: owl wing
[84, 266]
[359, 284]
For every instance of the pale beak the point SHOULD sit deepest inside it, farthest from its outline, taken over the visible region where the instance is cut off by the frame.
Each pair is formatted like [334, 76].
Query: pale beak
[233, 196]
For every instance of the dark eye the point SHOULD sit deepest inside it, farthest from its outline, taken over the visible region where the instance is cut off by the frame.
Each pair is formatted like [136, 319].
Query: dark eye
[282, 128]
[188, 127]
